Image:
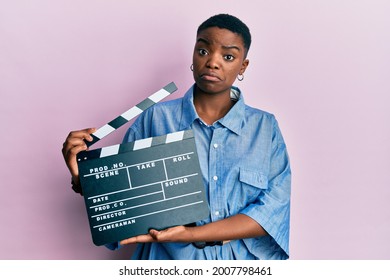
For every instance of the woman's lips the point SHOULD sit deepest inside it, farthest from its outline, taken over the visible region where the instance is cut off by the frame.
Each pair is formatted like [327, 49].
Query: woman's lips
[210, 77]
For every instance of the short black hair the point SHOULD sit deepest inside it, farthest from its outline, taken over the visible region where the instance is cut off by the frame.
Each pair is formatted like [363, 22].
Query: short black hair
[231, 23]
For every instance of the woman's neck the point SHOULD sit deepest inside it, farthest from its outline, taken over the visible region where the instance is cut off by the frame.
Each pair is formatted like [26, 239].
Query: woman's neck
[212, 107]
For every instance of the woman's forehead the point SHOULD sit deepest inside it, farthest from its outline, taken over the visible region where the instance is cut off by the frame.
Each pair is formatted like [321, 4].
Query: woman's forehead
[220, 36]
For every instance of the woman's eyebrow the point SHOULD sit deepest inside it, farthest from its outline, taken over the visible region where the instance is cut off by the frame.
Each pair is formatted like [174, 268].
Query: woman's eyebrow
[231, 47]
[202, 40]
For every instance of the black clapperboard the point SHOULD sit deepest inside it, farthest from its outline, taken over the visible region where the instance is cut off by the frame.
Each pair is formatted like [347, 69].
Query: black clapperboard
[149, 183]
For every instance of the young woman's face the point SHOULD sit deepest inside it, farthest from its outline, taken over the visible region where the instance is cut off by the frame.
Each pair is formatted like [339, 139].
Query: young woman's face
[219, 56]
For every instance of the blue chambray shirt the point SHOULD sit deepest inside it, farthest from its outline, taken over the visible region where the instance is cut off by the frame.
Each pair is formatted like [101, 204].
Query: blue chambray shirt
[245, 168]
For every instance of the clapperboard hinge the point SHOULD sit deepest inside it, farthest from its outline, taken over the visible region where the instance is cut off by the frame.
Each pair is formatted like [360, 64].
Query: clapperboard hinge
[131, 113]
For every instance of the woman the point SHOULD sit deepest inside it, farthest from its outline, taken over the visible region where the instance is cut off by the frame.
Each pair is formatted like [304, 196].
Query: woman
[242, 154]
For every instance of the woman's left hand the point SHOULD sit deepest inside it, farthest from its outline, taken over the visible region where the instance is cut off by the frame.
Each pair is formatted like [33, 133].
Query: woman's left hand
[173, 234]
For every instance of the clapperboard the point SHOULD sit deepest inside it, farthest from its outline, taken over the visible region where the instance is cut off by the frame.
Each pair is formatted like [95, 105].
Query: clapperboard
[150, 183]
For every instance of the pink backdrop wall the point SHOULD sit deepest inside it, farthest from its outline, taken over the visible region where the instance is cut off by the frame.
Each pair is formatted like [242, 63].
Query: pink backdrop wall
[322, 67]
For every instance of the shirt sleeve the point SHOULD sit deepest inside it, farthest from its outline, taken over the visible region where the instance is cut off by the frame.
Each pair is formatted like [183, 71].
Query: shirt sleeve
[271, 209]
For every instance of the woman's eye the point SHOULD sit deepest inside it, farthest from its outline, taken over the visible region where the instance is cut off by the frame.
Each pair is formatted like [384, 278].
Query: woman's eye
[202, 52]
[229, 57]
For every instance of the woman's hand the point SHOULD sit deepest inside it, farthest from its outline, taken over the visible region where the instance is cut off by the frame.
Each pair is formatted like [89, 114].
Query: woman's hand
[173, 234]
[74, 144]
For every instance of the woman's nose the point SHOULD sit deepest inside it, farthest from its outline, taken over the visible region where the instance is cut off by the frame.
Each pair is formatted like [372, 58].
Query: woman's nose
[213, 62]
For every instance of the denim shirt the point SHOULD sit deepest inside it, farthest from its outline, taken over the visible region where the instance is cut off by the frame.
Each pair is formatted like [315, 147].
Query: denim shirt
[245, 168]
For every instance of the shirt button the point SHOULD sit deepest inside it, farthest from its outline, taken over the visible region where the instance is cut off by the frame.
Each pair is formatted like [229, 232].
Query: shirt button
[216, 213]
[215, 146]
[215, 178]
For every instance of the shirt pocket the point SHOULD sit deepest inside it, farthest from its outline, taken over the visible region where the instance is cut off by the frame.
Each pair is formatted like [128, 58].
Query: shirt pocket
[253, 183]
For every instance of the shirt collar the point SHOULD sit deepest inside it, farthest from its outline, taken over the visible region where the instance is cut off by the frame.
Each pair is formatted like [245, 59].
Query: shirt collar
[233, 120]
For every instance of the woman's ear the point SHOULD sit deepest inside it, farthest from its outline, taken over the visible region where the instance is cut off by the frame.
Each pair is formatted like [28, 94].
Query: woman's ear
[244, 65]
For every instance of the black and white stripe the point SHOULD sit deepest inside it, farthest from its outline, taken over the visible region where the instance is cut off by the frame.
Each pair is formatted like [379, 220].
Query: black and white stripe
[131, 113]
[136, 145]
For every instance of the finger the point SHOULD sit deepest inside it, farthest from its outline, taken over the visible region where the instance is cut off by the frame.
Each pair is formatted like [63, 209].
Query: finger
[71, 158]
[74, 141]
[128, 241]
[81, 134]
[72, 152]
[70, 144]
[89, 131]
[145, 238]
[154, 233]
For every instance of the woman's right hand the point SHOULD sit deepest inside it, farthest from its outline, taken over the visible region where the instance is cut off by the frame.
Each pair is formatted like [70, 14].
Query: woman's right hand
[74, 144]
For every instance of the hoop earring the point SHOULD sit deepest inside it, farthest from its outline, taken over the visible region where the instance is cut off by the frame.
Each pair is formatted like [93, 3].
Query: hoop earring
[192, 67]
[240, 77]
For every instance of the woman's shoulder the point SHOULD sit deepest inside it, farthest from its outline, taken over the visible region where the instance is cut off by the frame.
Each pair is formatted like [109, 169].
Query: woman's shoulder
[251, 112]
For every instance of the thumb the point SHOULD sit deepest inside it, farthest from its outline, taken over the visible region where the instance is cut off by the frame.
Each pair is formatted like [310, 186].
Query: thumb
[154, 233]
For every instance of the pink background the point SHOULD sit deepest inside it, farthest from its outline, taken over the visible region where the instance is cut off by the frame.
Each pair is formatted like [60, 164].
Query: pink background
[322, 67]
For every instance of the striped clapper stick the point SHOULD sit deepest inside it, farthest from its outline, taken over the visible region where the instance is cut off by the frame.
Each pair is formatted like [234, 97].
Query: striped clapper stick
[149, 183]
[131, 113]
